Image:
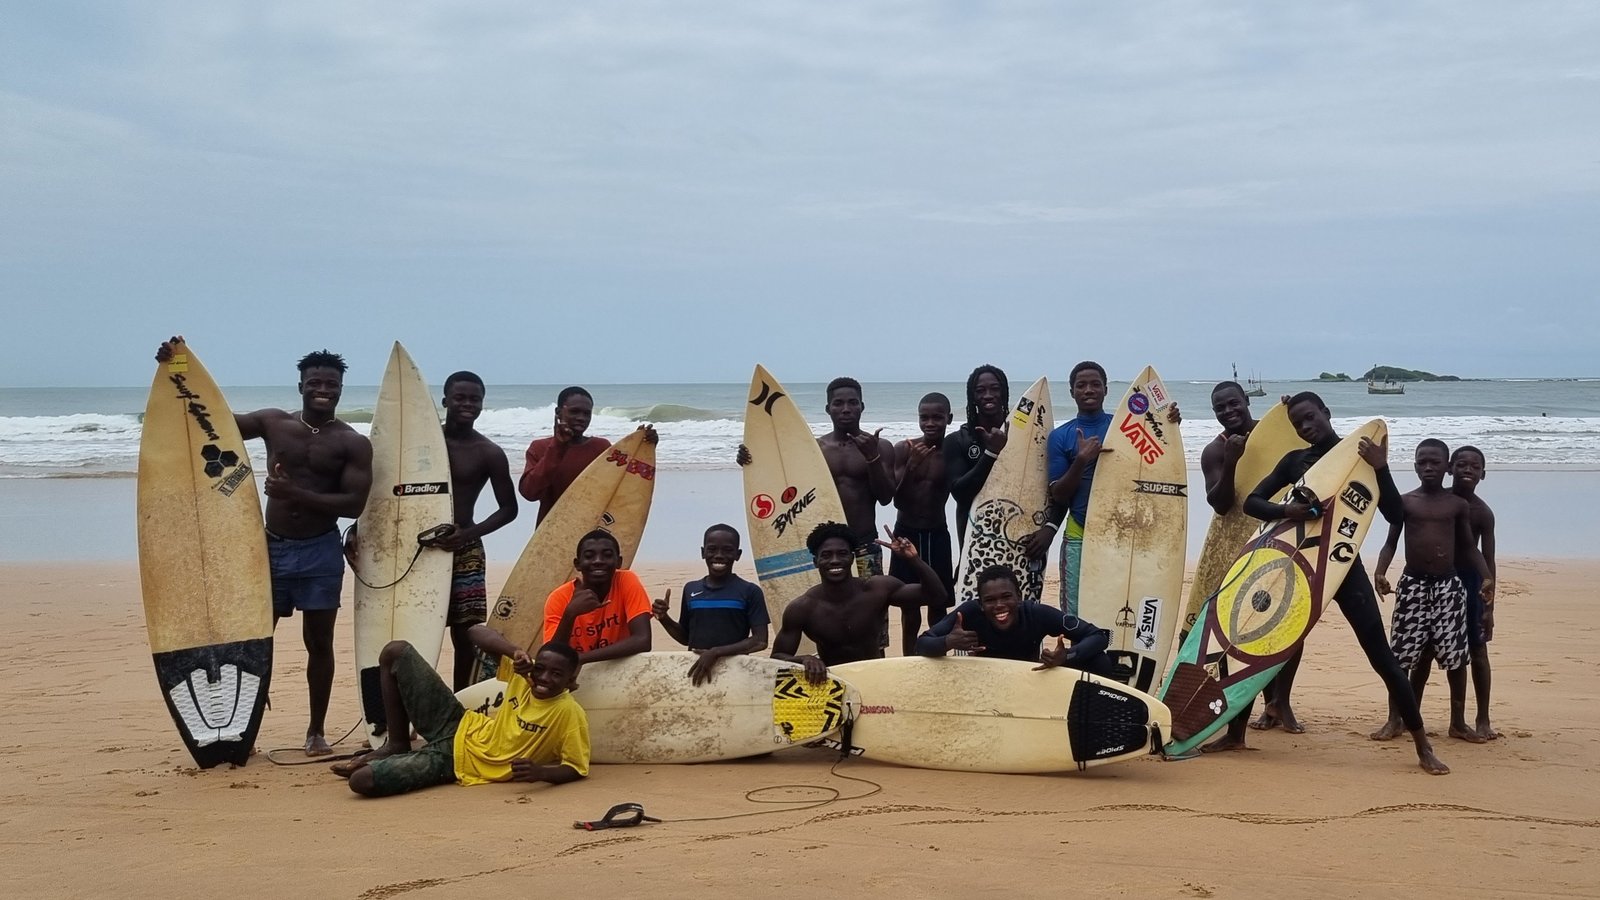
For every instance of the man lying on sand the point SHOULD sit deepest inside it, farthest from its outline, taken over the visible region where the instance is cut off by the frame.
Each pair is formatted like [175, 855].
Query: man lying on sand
[539, 733]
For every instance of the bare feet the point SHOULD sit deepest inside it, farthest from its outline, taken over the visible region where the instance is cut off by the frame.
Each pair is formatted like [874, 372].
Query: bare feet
[1462, 732]
[1430, 763]
[348, 767]
[1391, 730]
[1223, 744]
[1267, 720]
[317, 745]
[1289, 722]
[1486, 731]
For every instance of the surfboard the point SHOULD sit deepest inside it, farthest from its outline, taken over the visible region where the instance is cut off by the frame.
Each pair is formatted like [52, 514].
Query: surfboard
[1011, 504]
[643, 709]
[976, 714]
[1131, 575]
[1272, 595]
[1272, 437]
[788, 490]
[613, 492]
[402, 588]
[203, 564]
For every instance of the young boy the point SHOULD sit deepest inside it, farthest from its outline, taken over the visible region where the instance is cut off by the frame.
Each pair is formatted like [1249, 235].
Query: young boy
[1467, 468]
[1003, 626]
[970, 453]
[604, 613]
[843, 612]
[475, 461]
[553, 463]
[1430, 605]
[722, 614]
[540, 733]
[920, 495]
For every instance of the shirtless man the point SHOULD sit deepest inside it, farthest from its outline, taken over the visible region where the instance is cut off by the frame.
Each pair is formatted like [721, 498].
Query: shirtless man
[842, 614]
[863, 472]
[553, 463]
[318, 470]
[475, 461]
[1467, 468]
[1313, 423]
[920, 494]
[1430, 605]
[969, 454]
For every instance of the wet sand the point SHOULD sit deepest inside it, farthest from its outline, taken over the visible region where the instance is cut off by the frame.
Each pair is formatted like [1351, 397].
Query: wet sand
[101, 798]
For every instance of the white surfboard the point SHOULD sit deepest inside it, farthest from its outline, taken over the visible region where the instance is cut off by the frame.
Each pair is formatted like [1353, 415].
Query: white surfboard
[976, 714]
[613, 492]
[402, 589]
[788, 490]
[1011, 505]
[203, 564]
[644, 709]
[1131, 576]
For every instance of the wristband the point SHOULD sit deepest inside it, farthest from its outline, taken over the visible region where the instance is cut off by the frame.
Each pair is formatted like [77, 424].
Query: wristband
[1051, 525]
[991, 454]
[875, 459]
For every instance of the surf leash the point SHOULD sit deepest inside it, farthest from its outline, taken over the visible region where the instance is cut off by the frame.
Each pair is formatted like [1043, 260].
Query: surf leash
[424, 540]
[311, 761]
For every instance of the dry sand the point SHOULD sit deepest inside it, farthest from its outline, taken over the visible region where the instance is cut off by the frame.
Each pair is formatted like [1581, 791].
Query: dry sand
[100, 797]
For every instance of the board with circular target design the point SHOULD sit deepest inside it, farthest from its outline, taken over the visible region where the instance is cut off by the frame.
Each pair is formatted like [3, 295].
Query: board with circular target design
[1272, 596]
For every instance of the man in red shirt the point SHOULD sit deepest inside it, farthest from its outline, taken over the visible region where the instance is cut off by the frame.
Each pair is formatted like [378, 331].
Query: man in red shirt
[553, 463]
[605, 612]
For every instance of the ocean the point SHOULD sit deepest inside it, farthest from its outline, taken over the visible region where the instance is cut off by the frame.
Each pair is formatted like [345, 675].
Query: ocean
[68, 455]
[1518, 423]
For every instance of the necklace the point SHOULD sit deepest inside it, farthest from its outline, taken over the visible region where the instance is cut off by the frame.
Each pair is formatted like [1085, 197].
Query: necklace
[300, 417]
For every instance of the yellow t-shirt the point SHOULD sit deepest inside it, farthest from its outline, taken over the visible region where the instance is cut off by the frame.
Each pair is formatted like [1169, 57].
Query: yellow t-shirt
[545, 732]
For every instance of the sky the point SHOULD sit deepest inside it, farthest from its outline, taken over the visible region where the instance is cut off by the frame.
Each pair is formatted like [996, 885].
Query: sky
[674, 191]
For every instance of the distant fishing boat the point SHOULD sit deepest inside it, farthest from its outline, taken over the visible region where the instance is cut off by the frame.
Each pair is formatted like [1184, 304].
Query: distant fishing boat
[1252, 386]
[1389, 386]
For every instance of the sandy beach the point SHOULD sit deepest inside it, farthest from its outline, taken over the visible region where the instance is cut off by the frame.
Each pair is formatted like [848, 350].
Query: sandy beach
[98, 785]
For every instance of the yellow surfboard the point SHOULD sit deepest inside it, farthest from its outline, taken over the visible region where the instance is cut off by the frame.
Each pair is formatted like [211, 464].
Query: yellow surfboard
[613, 492]
[1272, 437]
[203, 564]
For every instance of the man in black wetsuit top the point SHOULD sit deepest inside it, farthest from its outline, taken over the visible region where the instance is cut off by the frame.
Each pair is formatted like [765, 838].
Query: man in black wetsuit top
[1355, 596]
[970, 453]
[1001, 625]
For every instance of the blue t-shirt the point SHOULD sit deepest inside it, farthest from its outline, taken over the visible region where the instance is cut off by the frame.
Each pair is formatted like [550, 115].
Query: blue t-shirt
[716, 617]
[1063, 448]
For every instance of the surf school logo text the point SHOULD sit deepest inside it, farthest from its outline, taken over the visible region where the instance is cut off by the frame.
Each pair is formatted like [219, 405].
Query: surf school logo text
[632, 466]
[1144, 443]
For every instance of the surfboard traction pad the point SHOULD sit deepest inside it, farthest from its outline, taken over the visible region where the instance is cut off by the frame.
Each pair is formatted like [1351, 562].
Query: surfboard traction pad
[803, 711]
[1205, 703]
[215, 695]
[1107, 722]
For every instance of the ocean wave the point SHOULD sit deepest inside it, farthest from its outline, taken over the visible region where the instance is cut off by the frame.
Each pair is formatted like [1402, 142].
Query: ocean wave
[106, 445]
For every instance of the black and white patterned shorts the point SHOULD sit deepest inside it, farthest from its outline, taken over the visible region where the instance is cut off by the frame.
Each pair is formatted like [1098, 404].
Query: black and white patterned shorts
[1430, 611]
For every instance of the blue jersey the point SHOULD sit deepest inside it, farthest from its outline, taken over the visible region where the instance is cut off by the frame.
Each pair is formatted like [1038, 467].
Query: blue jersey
[716, 617]
[1063, 449]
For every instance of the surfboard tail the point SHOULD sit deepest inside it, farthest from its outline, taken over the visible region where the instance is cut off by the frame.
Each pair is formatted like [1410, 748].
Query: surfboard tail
[1106, 723]
[216, 695]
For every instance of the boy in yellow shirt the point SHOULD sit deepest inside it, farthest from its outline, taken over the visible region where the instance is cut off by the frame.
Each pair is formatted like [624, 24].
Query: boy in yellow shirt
[539, 733]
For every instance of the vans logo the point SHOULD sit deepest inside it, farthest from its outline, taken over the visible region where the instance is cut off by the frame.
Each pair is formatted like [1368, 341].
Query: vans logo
[1149, 614]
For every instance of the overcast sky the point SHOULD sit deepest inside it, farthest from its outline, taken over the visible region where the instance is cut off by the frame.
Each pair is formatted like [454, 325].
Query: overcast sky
[672, 191]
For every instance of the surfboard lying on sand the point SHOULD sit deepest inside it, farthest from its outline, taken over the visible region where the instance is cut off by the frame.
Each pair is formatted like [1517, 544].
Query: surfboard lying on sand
[612, 492]
[203, 564]
[644, 709]
[976, 714]
[1272, 437]
[788, 490]
[1131, 576]
[1273, 595]
[1011, 505]
[402, 588]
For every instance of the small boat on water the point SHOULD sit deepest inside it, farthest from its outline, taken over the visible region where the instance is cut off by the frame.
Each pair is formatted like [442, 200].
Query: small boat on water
[1389, 386]
[1252, 386]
